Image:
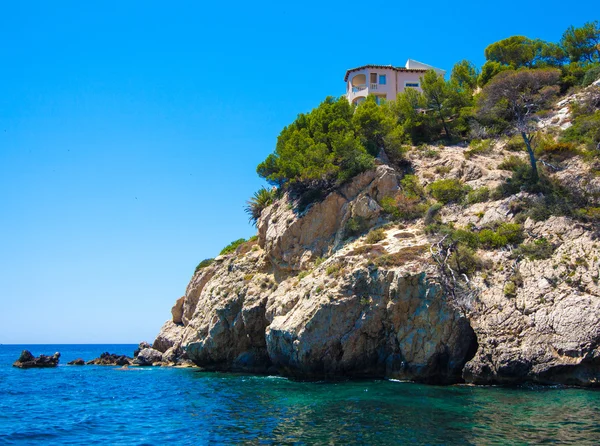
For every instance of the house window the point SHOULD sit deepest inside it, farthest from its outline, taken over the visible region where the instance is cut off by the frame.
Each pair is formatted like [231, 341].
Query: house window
[373, 78]
[382, 79]
[412, 85]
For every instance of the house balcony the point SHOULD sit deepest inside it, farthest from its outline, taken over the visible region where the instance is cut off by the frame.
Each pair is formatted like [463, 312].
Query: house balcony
[359, 92]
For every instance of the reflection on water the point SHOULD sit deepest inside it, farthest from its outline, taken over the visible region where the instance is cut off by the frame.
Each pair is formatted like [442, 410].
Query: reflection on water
[93, 404]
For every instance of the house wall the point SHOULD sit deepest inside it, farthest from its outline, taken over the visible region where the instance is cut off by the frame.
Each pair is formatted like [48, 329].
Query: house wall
[395, 82]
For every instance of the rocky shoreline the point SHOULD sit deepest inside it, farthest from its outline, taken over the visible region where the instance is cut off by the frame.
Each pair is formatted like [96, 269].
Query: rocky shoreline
[341, 290]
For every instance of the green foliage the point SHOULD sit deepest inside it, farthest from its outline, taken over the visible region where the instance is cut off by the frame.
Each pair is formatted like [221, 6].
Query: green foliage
[592, 74]
[582, 44]
[505, 234]
[232, 246]
[445, 99]
[479, 147]
[374, 236]
[463, 260]
[510, 289]
[321, 147]
[412, 187]
[479, 195]
[203, 264]
[464, 74]
[448, 190]
[520, 51]
[585, 130]
[259, 201]
[432, 213]
[557, 151]
[356, 226]
[489, 70]
[512, 163]
[514, 97]
[540, 249]
[372, 123]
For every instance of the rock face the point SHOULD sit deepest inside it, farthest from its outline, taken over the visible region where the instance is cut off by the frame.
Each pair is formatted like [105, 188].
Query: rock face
[311, 300]
[28, 361]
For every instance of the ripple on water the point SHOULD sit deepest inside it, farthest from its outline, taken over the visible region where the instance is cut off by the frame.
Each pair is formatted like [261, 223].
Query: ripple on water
[100, 405]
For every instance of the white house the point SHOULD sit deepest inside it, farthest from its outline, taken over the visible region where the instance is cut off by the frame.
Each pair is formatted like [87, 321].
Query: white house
[384, 81]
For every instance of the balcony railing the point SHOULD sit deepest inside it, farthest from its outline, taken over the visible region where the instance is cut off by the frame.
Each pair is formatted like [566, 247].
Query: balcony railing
[360, 87]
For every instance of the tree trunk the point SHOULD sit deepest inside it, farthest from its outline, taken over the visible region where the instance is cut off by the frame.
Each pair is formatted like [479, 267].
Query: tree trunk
[534, 172]
[445, 126]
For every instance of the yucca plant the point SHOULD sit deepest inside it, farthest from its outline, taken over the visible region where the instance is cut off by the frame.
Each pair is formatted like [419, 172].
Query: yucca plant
[260, 200]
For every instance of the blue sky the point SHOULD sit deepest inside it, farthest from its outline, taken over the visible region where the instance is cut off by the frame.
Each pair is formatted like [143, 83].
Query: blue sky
[129, 134]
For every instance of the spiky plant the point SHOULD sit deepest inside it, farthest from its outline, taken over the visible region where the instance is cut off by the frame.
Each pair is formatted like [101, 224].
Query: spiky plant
[260, 200]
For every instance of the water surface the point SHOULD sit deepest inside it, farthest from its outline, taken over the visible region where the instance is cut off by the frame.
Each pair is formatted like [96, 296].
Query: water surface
[153, 405]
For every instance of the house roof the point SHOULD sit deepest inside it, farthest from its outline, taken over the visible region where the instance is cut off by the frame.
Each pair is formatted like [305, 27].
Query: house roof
[412, 66]
[391, 67]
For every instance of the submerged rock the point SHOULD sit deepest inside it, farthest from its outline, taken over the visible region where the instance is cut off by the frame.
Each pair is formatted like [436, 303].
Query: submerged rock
[27, 360]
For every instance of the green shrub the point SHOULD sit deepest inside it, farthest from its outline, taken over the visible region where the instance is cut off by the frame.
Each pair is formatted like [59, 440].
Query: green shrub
[468, 238]
[478, 195]
[412, 187]
[432, 213]
[479, 147]
[448, 190]
[374, 236]
[356, 226]
[232, 246]
[259, 201]
[540, 249]
[513, 163]
[591, 75]
[463, 260]
[510, 289]
[505, 234]
[559, 151]
[203, 264]
[389, 206]
[515, 144]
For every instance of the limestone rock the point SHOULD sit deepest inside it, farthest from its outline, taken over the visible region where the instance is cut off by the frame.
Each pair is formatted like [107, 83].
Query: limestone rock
[148, 356]
[28, 361]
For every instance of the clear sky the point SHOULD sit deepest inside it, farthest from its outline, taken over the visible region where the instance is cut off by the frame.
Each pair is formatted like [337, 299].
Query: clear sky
[130, 132]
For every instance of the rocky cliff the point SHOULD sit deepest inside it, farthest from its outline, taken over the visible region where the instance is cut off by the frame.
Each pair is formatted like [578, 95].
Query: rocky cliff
[345, 289]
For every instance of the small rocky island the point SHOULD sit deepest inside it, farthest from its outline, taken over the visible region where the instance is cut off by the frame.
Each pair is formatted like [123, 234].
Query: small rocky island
[28, 361]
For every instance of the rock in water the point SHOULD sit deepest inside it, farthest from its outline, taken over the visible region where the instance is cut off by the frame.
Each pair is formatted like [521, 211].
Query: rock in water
[148, 356]
[28, 361]
[111, 359]
[141, 347]
[77, 361]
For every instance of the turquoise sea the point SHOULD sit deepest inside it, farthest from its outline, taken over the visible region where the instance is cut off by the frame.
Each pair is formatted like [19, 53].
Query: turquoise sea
[153, 405]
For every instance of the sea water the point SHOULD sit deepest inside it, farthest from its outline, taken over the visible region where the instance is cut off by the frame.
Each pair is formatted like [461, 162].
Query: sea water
[154, 405]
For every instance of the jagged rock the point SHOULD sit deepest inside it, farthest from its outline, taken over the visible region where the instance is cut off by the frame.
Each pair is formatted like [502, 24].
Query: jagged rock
[110, 359]
[169, 336]
[77, 361]
[28, 361]
[142, 345]
[291, 241]
[177, 311]
[148, 356]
